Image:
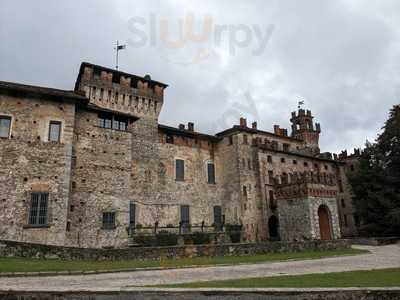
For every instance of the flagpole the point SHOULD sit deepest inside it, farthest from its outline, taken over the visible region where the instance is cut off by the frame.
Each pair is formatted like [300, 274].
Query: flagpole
[116, 65]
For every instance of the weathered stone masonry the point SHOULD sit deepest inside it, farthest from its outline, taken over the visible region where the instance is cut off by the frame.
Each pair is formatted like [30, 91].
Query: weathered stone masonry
[113, 168]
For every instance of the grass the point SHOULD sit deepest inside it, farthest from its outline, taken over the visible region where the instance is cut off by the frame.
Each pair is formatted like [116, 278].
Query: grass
[52, 265]
[372, 278]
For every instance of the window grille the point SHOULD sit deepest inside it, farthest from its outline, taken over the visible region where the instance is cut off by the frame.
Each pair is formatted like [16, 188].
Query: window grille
[38, 214]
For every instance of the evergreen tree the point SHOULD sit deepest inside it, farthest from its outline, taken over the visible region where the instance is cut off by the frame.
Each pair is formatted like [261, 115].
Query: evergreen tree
[376, 182]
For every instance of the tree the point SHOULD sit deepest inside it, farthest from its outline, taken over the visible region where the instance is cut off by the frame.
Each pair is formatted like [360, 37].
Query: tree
[376, 182]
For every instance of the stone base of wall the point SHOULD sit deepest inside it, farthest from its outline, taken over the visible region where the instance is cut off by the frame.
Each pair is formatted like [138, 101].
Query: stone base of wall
[228, 294]
[20, 249]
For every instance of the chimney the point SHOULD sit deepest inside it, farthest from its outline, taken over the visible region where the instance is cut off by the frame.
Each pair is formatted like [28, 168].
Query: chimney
[182, 126]
[243, 122]
[276, 129]
[191, 126]
[254, 125]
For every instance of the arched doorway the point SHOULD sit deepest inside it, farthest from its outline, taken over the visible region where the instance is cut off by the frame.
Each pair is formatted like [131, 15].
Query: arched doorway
[324, 223]
[273, 227]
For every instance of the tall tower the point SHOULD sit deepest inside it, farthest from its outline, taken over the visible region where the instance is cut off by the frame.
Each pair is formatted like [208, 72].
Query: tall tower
[303, 128]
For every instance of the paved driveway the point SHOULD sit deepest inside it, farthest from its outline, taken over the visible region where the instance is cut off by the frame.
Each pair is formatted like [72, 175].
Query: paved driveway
[380, 257]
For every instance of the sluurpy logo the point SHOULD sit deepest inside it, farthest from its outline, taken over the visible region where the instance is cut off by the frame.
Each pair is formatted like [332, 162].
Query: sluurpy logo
[186, 42]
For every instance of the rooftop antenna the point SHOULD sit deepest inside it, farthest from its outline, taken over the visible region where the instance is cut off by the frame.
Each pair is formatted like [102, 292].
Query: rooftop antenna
[118, 48]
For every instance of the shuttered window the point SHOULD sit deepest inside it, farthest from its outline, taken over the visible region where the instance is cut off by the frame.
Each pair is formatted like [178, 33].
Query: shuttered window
[211, 173]
[180, 170]
[39, 209]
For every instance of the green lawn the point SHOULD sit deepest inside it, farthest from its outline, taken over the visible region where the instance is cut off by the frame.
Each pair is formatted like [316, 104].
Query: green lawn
[373, 278]
[45, 265]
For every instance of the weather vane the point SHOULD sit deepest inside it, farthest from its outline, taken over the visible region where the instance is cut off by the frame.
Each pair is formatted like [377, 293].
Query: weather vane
[118, 48]
[301, 102]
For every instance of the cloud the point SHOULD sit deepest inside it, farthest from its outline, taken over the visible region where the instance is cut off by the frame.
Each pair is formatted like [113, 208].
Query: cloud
[341, 57]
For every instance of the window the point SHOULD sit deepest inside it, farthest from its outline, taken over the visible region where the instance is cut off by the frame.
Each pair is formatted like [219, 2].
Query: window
[340, 186]
[282, 160]
[185, 217]
[294, 162]
[269, 159]
[38, 209]
[271, 177]
[345, 221]
[230, 140]
[108, 220]
[218, 217]
[112, 122]
[343, 203]
[326, 167]
[286, 147]
[120, 124]
[104, 121]
[5, 126]
[211, 173]
[245, 191]
[132, 216]
[306, 164]
[245, 139]
[54, 131]
[284, 178]
[316, 166]
[351, 168]
[170, 139]
[180, 170]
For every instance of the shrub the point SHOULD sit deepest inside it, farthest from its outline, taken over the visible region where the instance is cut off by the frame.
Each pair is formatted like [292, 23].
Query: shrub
[165, 238]
[234, 231]
[200, 238]
[145, 240]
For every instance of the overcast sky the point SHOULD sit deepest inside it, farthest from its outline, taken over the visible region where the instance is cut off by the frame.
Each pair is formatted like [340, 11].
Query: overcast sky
[255, 59]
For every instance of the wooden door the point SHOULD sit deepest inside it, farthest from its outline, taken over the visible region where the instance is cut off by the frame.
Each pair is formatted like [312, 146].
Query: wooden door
[324, 223]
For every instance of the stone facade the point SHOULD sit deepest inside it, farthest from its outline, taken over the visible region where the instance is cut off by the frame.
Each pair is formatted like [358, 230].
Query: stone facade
[114, 169]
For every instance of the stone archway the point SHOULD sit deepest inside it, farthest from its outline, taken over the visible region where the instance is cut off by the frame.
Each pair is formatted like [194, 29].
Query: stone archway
[324, 223]
[273, 228]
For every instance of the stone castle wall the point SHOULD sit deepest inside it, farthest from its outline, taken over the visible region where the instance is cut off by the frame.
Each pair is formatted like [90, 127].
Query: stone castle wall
[30, 163]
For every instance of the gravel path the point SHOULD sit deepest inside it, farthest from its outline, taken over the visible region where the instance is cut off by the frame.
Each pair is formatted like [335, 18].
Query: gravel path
[379, 258]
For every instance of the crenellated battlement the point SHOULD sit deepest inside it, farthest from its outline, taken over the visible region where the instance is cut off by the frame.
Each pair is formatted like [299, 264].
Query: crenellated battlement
[119, 91]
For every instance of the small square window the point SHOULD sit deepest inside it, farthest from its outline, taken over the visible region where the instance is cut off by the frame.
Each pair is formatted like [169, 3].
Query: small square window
[269, 158]
[283, 160]
[108, 220]
[54, 131]
[306, 164]
[169, 139]
[294, 162]
[5, 126]
[326, 167]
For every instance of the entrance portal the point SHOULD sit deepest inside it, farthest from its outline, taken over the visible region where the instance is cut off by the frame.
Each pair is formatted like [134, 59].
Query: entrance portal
[273, 227]
[324, 223]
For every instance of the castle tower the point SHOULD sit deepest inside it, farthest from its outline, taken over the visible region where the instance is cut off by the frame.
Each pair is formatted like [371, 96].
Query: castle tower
[303, 128]
[116, 91]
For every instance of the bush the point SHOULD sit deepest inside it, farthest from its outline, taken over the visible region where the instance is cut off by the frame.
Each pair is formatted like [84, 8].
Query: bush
[234, 231]
[165, 238]
[145, 240]
[200, 238]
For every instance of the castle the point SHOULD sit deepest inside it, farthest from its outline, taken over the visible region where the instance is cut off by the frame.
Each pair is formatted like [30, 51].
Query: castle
[87, 167]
